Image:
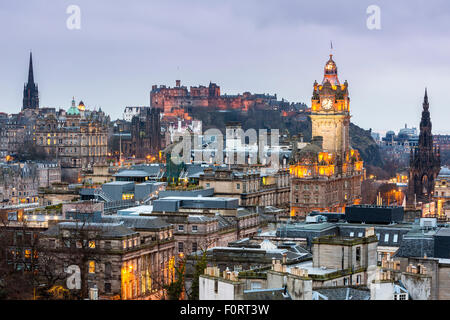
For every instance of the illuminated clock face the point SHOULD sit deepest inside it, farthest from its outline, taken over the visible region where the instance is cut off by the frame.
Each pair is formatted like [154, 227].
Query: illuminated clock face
[327, 104]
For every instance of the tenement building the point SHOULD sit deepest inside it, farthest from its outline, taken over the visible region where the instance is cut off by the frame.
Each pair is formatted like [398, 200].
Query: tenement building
[19, 183]
[326, 175]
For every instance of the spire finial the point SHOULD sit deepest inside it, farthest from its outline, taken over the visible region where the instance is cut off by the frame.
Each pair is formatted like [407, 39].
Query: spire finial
[30, 70]
[425, 99]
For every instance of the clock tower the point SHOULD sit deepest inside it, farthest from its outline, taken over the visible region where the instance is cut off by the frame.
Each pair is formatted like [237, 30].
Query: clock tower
[330, 112]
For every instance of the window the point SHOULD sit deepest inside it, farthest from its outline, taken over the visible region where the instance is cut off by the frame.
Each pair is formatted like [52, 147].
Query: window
[378, 236]
[352, 234]
[345, 281]
[256, 285]
[358, 279]
[358, 253]
[360, 234]
[207, 185]
[107, 287]
[180, 227]
[395, 238]
[194, 247]
[386, 237]
[92, 244]
[238, 186]
[124, 244]
[216, 286]
[91, 266]
[107, 244]
[108, 269]
[180, 246]
[194, 228]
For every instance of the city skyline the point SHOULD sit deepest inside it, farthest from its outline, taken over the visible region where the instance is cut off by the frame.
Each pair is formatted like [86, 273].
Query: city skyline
[117, 55]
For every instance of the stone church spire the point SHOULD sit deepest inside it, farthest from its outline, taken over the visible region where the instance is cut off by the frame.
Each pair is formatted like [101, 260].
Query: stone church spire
[425, 161]
[30, 90]
[30, 70]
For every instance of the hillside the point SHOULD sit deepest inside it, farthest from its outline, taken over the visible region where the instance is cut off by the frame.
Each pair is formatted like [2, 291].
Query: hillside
[360, 139]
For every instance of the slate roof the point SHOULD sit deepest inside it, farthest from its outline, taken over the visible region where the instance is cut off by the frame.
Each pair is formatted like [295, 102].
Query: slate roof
[146, 223]
[106, 230]
[345, 293]
[417, 243]
[132, 173]
[267, 294]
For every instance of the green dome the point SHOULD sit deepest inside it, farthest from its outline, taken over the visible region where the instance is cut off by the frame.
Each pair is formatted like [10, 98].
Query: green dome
[73, 111]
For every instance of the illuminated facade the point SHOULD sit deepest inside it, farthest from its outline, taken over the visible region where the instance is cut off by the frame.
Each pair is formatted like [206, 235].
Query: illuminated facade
[326, 174]
[126, 259]
[442, 193]
[169, 99]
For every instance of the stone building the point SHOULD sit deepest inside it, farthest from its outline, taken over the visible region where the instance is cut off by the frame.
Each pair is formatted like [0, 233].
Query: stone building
[205, 222]
[326, 175]
[442, 193]
[146, 133]
[77, 138]
[123, 259]
[19, 183]
[48, 173]
[252, 186]
[425, 162]
[338, 264]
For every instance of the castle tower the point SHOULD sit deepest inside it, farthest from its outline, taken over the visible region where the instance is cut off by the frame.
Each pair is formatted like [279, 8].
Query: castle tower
[330, 111]
[30, 90]
[424, 162]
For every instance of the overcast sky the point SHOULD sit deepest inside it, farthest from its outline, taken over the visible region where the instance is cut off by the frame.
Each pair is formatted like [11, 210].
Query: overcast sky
[124, 47]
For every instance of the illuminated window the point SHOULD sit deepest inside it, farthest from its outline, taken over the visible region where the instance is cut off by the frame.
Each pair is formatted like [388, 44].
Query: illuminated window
[124, 244]
[92, 244]
[27, 253]
[386, 237]
[395, 238]
[91, 266]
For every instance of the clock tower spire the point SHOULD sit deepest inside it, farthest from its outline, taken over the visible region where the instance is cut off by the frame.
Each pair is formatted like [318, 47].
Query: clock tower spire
[330, 111]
